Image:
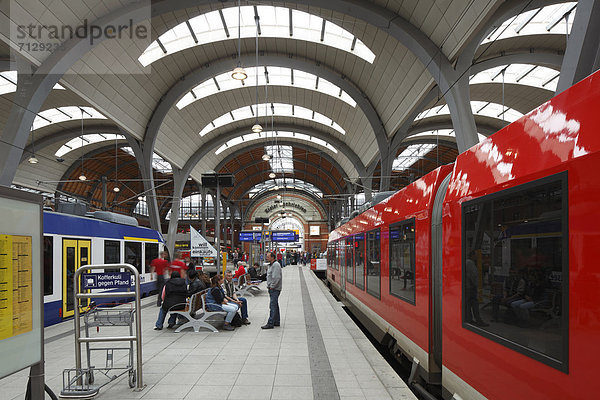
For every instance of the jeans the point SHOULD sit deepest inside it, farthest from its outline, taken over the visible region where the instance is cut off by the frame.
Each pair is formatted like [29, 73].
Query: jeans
[229, 308]
[162, 314]
[274, 307]
[160, 283]
[244, 307]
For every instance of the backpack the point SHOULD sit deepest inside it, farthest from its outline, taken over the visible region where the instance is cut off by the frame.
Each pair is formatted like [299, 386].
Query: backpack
[237, 320]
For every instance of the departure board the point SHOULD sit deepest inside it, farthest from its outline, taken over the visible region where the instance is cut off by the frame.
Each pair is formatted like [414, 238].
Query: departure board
[21, 300]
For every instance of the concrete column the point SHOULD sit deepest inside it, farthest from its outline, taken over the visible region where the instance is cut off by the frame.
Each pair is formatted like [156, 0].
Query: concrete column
[387, 159]
[31, 94]
[463, 121]
[179, 181]
[582, 56]
[147, 172]
[203, 213]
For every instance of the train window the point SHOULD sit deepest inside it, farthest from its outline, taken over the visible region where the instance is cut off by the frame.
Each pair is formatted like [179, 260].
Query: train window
[133, 255]
[349, 262]
[112, 254]
[515, 268]
[359, 260]
[341, 254]
[373, 263]
[402, 260]
[150, 253]
[48, 264]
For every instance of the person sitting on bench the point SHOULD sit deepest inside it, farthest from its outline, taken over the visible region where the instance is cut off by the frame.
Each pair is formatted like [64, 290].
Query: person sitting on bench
[216, 301]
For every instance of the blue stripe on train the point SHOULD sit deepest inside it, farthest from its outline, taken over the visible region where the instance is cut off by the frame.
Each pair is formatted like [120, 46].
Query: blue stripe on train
[71, 225]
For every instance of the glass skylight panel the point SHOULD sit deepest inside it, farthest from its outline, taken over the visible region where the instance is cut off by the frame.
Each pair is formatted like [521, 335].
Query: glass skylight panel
[274, 23]
[87, 139]
[548, 20]
[521, 74]
[268, 135]
[410, 155]
[280, 110]
[158, 163]
[482, 108]
[62, 114]
[8, 82]
[281, 158]
[290, 183]
[441, 133]
[278, 76]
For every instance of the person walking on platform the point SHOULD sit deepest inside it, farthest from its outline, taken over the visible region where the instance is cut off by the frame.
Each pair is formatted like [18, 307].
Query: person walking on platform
[178, 265]
[274, 284]
[160, 266]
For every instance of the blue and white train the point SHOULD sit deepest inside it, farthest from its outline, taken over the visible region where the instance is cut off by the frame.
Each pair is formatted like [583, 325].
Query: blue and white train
[72, 241]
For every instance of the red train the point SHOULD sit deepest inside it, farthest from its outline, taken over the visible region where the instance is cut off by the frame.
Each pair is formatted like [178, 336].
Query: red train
[484, 274]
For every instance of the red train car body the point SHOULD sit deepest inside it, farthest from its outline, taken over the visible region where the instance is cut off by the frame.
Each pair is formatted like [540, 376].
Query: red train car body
[510, 237]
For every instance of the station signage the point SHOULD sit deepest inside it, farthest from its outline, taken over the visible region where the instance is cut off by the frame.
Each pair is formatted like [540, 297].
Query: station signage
[249, 236]
[106, 280]
[284, 236]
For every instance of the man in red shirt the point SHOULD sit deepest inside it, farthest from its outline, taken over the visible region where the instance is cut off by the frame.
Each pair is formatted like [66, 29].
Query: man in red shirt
[178, 265]
[160, 265]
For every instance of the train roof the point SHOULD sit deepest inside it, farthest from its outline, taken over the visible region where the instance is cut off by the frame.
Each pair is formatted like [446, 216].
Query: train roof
[73, 225]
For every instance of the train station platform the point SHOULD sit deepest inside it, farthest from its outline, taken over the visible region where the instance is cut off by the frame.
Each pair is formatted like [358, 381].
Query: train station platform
[317, 353]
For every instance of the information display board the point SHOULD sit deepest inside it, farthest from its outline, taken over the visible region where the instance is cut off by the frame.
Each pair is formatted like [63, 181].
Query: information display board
[284, 236]
[21, 303]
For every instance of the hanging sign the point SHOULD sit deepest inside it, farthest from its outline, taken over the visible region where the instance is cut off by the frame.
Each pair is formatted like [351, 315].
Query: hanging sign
[200, 246]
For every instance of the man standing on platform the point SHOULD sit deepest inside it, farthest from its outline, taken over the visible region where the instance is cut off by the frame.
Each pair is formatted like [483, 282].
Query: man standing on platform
[274, 286]
[160, 265]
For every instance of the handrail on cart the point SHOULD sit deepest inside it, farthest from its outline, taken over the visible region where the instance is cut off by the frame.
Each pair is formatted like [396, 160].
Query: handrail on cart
[138, 317]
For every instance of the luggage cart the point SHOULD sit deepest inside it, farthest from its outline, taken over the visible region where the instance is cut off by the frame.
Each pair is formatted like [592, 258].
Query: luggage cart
[79, 382]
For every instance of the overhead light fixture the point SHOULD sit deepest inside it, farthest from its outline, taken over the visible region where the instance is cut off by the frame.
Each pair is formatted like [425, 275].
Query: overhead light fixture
[239, 73]
[116, 189]
[82, 177]
[272, 175]
[256, 128]
[33, 159]
[140, 198]
[266, 157]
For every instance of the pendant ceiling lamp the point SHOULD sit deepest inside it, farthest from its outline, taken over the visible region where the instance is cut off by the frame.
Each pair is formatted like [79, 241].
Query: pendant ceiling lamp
[239, 73]
[82, 177]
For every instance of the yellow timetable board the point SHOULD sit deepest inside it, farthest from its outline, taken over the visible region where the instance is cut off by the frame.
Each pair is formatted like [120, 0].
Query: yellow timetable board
[16, 311]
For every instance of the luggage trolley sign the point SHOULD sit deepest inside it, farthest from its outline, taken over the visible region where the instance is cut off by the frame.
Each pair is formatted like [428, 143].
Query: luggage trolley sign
[107, 280]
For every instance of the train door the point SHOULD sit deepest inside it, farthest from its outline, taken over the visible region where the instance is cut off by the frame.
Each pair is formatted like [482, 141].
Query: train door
[342, 262]
[76, 253]
[435, 276]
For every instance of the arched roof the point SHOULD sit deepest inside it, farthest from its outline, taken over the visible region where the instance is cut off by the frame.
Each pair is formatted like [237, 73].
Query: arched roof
[378, 105]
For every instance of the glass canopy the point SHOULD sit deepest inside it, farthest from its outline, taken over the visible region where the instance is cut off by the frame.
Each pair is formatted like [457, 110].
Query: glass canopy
[284, 183]
[276, 109]
[268, 135]
[410, 155]
[483, 108]
[521, 74]
[274, 76]
[85, 140]
[62, 114]
[546, 20]
[274, 22]
[8, 82]
[158, 163]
